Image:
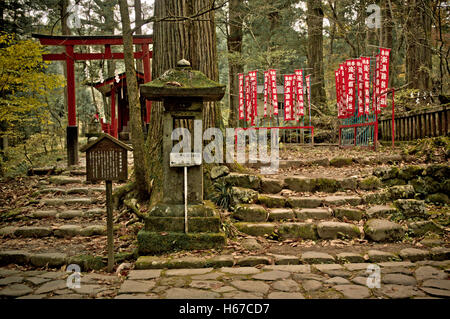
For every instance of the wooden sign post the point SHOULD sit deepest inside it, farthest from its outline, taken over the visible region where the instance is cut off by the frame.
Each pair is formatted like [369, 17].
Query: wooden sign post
[107, 160]
[109, 225]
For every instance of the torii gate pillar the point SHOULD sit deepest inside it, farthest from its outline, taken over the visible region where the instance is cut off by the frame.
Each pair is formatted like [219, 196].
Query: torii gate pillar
[72, 128]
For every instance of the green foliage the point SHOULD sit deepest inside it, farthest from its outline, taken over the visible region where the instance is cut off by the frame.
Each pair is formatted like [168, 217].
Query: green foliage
[434, 148]
[39, 150]
[222, 194]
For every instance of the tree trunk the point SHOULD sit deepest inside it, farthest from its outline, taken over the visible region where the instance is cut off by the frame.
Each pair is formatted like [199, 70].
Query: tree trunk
[314, 22]
[138, 21]
[137, 135]
[387, 39]
[418, 46]
[64, 4]
[234, 43]
[193, 40]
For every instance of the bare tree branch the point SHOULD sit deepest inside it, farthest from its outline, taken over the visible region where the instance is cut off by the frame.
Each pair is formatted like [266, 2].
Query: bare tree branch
[174, 18]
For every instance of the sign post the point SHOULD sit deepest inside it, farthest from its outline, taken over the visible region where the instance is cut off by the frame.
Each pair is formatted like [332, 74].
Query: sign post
[107, 160]
[109, 225]
[185, 160]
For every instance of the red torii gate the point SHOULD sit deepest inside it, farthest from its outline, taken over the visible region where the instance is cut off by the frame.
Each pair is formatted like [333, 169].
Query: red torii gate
[70, 56]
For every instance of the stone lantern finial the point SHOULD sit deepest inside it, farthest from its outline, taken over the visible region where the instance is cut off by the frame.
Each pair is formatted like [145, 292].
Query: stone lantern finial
[183, 63]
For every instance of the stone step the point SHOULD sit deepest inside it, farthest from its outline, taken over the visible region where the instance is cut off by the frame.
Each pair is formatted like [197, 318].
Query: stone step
[44, 171]
[286, 198]
[177, 224]
[306, 261]
[336, 161]
[428, 182]
[73, 190]
[78, 172]
[150, 242]
[313, 213]
[258, 213]
[67, 201]
[56, 260]
[278, 201]
[279, 214]
[299, 263]
[250, 213]
[301, 183]
[321, 184]
[64, 180]
[51, 231]
[68, 214]
[377, 230]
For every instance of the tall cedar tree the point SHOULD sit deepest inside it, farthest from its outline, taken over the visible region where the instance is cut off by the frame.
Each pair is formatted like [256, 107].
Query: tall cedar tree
[191, 39]
[314, 22]
[234, 43]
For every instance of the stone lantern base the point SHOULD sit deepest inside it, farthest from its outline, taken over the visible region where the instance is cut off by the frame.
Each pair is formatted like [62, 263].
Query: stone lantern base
[164, 229]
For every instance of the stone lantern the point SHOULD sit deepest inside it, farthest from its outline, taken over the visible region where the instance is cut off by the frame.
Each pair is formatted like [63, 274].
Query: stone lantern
[182, 91]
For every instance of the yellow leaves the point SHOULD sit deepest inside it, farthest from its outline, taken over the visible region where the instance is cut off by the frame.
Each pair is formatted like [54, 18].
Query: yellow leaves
[24, 85]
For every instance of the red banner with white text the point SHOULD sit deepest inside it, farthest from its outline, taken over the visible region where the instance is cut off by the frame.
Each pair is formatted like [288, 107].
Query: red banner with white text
[241, 96]
[299, 92]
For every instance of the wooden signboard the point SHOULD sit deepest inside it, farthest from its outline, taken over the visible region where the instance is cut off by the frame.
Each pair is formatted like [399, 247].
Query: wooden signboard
[107, 160]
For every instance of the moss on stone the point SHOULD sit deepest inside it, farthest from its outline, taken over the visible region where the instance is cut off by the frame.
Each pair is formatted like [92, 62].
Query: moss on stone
[438, 171]
[349, 213]
[409, 172]
[176, 224]
[341, 161]
[383, 230]
[300, 184]
[401, 191]
[255, 229]
[250, 213]
[376, 198]
[126, 256]
[88, 262]
[445, 186]
[370, 183]
[244, 195]
[170, 210]
[187, 77]
[421, 228]
[326, 185]
[151, 262]
[425, 185]
[220, 261]
[243, 180]
[186, 262]
[272, 201]
[156, 242]
[386, 173]
[394, 181]
[438, 198]
[298, 230]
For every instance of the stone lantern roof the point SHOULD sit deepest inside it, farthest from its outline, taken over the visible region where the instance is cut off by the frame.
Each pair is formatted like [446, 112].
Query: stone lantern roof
[183, 82]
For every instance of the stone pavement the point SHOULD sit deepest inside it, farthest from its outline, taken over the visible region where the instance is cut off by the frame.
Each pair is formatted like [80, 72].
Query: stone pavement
[422, 279]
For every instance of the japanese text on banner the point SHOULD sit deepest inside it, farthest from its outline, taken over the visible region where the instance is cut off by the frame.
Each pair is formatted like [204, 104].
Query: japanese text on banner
[299, 92]
[241, 96]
